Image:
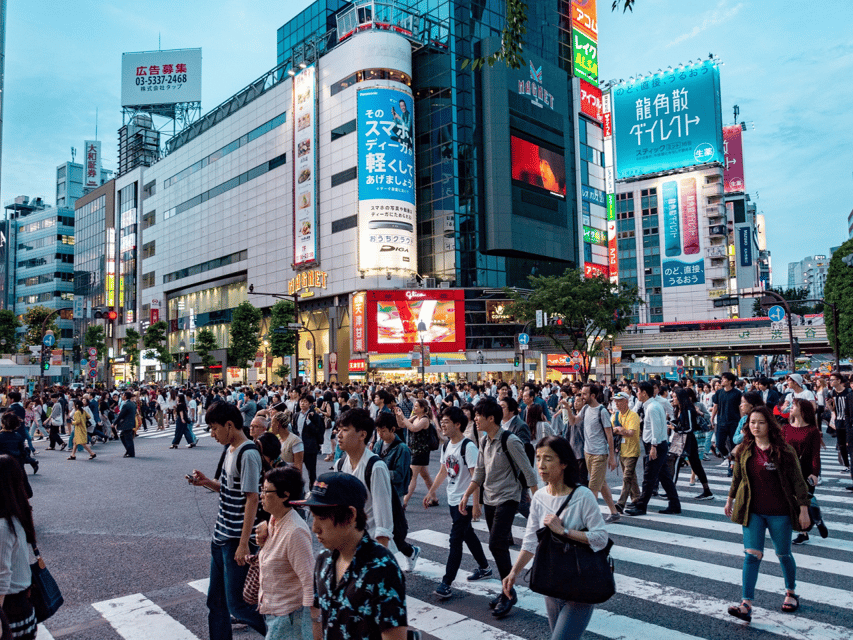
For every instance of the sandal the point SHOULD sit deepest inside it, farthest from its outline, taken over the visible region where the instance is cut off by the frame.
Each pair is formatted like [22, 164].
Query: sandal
[71, 458]
[787, 607]
[93, 456]
[174, 446]
[743, 611]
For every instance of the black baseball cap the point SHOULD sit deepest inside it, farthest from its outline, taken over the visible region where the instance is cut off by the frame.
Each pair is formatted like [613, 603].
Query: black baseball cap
[336, 489]
[280, 406]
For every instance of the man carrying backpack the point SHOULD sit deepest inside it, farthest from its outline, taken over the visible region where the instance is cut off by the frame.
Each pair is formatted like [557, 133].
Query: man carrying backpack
[459, 458]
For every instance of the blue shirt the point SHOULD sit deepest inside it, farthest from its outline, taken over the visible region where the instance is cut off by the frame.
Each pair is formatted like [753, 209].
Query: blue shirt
[654, 423]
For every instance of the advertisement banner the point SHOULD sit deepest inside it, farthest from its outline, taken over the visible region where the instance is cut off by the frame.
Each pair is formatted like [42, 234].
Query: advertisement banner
[304, 167]
[92, 164]
[591, 100]
[160, 77]
[668, 121]
[606, 115]
[536, 166]
[386, 187]
[358, 328]
[733, 147]
[745, 246]
[393, 317]
[585, 17]
[585, 57]
[594, 236]
[497, 312]
[681, 234]
[155, 315]
[593, 195]
[592, 270]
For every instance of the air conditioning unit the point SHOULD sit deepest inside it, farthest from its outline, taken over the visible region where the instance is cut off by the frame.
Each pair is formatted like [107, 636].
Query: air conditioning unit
[444, 285]
[429, 283]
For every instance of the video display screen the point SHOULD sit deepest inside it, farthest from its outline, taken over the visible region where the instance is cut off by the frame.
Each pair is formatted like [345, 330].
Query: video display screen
[537, 166]
[397, 321]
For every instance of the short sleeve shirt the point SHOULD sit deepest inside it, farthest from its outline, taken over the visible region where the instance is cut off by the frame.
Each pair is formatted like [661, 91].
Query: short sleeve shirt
[728, 407]
[233, 488]
[458, 470]
[369, 599]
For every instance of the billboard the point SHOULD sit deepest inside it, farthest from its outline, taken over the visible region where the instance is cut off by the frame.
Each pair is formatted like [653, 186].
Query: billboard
[668, 121]
[584, 56]
[592, 270]
[591, 100]
[745, 246]
[305, 167]
[160, 77]
[386, 182]
[358, 317]
[733, 148]
[585, 17]
[393, 317]
[683, 264]
[537, 166]
[92, 164]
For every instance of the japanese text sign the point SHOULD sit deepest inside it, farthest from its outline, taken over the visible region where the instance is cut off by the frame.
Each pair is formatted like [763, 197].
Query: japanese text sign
[733, 146]
[584, 57]
[304, 167]
[91, 164]
[160, 77]
[591, 100]
[585, 17]
[680, 234]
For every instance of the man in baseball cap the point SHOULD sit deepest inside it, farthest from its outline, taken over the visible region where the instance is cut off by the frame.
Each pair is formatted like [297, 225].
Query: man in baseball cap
[626, 423]
[351, 560]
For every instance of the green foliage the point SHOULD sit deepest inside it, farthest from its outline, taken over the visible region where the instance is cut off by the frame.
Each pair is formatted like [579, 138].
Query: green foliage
[245, 341]
[131, 349]
[839, 290]
[590, 308]
[95, 338]
[792, 295]
[282, 371]
[9, 324]
[627, 5]
[282, 344]
[205, 342]
[155, 343]
[33, 319]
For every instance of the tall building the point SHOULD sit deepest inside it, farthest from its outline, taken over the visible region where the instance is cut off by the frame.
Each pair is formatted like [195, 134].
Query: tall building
[2, 72]
[69, 183]
[809, 273]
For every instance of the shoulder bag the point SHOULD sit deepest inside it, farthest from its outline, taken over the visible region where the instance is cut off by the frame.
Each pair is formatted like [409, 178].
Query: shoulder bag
[44, 592]
[569, 570]
[252, 585]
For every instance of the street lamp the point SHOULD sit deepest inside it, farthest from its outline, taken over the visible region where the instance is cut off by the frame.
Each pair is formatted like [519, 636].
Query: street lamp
[421, 331]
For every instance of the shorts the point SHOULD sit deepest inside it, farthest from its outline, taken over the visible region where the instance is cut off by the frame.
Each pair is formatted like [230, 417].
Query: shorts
[421, 459]
[597, 467]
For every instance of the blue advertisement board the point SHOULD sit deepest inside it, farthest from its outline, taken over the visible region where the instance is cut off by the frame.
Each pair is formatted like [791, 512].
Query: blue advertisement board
[745, 242]
[684, 265]
[668, 121]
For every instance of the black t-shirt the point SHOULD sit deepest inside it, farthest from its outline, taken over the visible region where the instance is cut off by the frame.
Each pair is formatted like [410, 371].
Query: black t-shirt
[728, 406]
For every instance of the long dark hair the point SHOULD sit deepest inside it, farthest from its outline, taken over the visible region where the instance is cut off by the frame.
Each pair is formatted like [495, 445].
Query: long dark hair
[13, 497]
[684, 409]
[808, 415]
[534, 416]
[561, 446]
[774, 434]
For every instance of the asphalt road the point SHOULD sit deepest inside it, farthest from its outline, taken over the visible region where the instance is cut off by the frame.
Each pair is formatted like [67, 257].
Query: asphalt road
[134, 530]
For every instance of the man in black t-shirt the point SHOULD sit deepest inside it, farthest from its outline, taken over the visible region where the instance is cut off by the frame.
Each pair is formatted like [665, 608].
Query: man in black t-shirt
[727, 410]
[840, 400]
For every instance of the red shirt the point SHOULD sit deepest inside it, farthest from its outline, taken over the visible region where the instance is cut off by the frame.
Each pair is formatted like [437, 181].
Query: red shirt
[768, 498]
[806, 442]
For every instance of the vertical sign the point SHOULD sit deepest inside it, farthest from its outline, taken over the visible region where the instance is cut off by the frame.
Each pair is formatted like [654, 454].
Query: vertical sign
[358, 324]
[591, 100]
[304, 167]
[585, 17]
[745, 242]
[733, 146]
[612, 253]
[584, 56]
[92, 165]
[386, 181]
[681, 234]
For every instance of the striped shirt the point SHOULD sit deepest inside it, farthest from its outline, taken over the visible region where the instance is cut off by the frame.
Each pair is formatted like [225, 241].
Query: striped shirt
[232, 497]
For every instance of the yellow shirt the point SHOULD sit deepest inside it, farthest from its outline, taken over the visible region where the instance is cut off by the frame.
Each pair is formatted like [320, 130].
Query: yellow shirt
[630, 447]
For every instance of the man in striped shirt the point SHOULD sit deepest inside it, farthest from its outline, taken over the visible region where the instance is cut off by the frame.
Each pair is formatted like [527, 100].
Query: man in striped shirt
[238, 485]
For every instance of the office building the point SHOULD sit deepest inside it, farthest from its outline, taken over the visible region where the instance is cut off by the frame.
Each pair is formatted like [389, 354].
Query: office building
[69, 183]
[810, 274]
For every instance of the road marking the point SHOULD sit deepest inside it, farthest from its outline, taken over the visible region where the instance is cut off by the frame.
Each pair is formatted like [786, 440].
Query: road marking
[202, 585]
[43, 633]
[135, 617]
[449, 625]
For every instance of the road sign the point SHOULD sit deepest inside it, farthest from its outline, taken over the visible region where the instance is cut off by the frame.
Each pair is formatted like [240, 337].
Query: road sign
[93, 364]
[523, 346]
[93, 373]
[84, 362]
[523, 338]
[294, 325]
[539, 318]
[49, 339]
[679, 363]
[576, 366]
[680, 371]
[776, 313]
[576, 354]
[93, 352]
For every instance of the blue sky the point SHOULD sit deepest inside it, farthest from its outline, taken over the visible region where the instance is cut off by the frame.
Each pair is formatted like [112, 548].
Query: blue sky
[789, 66]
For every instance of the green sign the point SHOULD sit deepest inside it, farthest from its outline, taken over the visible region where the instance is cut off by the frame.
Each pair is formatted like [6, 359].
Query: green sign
[585, 60]
[594, 236]
[611, 207]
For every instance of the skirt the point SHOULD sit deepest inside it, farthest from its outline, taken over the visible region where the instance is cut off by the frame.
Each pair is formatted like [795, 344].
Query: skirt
[80, 435]
[21, 616]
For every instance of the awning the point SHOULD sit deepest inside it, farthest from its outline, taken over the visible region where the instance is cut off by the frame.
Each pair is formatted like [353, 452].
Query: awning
[404, 361]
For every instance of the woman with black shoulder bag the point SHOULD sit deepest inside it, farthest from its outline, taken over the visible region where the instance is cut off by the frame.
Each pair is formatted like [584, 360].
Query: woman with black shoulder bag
[571, 512]
[685, 425]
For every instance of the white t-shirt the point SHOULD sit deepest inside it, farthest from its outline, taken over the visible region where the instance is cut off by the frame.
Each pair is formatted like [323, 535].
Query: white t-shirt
[458, 474]
[192, 407]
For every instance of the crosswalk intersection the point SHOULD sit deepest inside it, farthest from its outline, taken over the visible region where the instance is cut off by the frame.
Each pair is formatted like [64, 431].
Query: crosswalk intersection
[675, 575]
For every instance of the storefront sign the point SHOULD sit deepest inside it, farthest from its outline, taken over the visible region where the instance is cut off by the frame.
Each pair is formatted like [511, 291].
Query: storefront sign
[716, 293]
[585, 57]
[92, 171]
[591, 100]
[307, 280]
[534, 88]
[585, 17]
[358, 329]
[592, 270]
[357, 366]
[594, 236]
[496, 312]
[304, 167]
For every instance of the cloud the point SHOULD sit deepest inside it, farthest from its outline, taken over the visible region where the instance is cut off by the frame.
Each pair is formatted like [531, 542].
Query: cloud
[713, 18]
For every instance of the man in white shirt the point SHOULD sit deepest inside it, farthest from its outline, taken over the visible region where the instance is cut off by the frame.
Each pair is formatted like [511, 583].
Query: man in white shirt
[797, 390]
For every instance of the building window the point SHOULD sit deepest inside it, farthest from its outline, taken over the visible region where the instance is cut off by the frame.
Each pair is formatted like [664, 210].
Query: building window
[350, 222]
[344, 176]
[149, 249]
[148, 280]
[206, 266]
[149, 190]
[344, 129]
[149, 219]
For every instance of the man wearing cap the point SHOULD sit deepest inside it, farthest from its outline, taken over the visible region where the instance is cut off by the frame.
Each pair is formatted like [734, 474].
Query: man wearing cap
[626, 423]
[797, 390]
[358, 586]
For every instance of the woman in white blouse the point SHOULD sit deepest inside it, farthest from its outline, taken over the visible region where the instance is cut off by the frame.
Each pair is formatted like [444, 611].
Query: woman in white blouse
[558, 467]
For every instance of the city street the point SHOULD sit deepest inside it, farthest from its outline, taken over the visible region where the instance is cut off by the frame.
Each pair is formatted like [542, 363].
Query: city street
[127, 541]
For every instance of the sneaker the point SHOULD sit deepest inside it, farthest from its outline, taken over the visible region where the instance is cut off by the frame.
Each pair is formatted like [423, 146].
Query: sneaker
[620, 508]
[801, 538]
[729, 473]
[443, 591]
[724, 463]
[705, 495]
[613, 517]
[693, 484]
[821, 528]
[413, 559]
[479, 574]
[845, 470]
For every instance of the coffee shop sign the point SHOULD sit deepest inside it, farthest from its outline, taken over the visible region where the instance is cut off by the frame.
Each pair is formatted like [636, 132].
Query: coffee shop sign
[307, 280]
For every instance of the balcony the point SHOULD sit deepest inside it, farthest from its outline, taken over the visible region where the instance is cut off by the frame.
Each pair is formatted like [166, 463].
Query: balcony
[717, 231]
[713, 189]
[715, 210]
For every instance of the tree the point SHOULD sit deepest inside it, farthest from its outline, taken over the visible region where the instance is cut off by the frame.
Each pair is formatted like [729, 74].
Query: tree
[95, 338]
[793, 296]
[33, 319]
[205, 342]
[156, 344]
[839, 290]
[582, 311]
[131, 349]
[245, 341]
[9, 324]
[282, 340]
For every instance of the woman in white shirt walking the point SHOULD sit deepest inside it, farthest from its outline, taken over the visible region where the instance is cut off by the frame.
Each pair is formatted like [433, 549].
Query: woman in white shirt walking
[580, 521]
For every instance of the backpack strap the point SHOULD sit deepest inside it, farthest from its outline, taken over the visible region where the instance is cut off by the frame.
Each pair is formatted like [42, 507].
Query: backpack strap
[465, 442]
[240, 453]
[504, 437]
[368, 468]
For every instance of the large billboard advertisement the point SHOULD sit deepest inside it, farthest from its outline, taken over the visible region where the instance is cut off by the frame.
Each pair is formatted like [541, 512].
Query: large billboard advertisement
[386, 181]
[585, 17]
[683, 263]
[733, 148]
[536, 166]
[591, 100]
[584, 56]
[668, 121]
[393, 317]
[92, 164]
[305, 167]
[160, 77]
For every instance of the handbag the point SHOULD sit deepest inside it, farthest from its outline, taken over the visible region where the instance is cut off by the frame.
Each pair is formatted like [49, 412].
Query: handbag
[569, 570]
[253, 581]
[44, 592]
[677, 444]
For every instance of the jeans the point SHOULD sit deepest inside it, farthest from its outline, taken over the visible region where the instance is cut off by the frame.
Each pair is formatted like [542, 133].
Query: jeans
[461, 531]
[567, 620]
[753, 538]
[842, 443]
[182, 430]
[725, 433]
[655, 470]
[630, 487]
[499, 519]
[127, 440]
[37, 426]
[293, 626]
[703, 441]
[225, 594]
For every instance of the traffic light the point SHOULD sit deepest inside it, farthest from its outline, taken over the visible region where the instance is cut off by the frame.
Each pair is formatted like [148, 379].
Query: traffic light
[99, 312]
[45, 357]
[517, 360]
[796, 350]
[319, 364]
[112, 314]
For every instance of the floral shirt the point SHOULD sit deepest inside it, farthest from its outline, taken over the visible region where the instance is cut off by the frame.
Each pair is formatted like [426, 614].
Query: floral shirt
[369, 599]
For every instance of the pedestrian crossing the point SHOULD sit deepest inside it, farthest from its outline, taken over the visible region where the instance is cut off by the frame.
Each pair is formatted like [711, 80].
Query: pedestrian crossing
[169, 432]
[676, 575]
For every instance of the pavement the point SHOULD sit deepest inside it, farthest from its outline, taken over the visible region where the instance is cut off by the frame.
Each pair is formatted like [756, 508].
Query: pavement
[128, 543]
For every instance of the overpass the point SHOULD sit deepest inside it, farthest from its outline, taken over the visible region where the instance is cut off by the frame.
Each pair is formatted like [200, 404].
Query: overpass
[756, 340]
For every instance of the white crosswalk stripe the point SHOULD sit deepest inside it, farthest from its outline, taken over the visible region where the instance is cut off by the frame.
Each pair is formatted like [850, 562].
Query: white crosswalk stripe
[135, 617]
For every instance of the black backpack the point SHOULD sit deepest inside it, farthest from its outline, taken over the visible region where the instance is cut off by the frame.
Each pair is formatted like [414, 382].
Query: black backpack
[248, 447]
[465, 441]
[515, 470]
[401, 525]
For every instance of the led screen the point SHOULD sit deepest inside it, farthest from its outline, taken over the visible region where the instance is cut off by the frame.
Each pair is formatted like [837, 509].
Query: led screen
[537, 166]
[393, 317]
